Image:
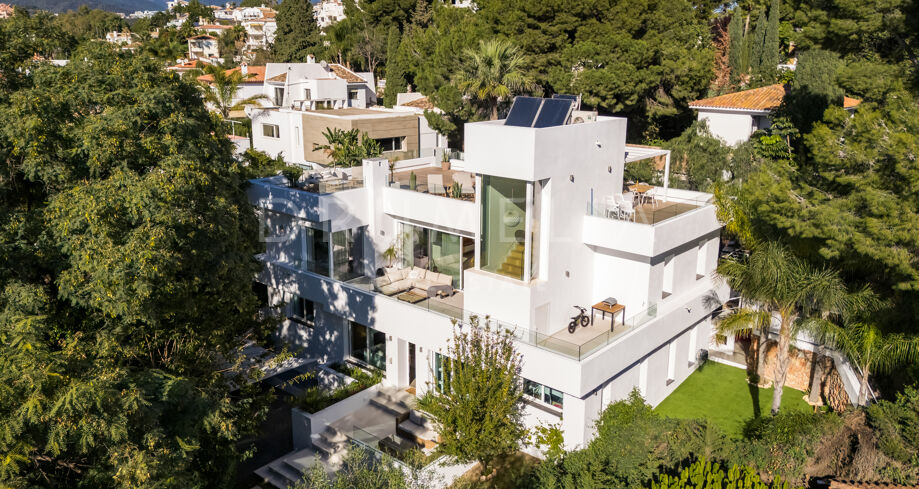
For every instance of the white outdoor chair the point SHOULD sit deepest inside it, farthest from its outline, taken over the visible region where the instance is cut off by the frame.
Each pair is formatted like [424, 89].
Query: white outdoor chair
[627, 209]
[436, 184]
[612, 206]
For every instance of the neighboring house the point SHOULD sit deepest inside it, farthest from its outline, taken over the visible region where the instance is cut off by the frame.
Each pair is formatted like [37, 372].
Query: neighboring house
[328, 12]
[172, 4]
[203, 47]
[214, 29]
[183, 66]
[520, 250]
[250, 87]
[462, 3]
[6, 11]
[123, 37]
[247, 13]
[178, 21]
[416, 103]
[260, 32]
[297, 90]
[733, 117]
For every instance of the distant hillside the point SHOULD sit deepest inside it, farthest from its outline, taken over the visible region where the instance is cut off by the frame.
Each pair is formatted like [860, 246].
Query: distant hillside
[125, 6]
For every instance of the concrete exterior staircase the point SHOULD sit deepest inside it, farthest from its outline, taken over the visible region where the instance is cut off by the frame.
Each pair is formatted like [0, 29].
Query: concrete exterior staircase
[287, 471]
[513, 262]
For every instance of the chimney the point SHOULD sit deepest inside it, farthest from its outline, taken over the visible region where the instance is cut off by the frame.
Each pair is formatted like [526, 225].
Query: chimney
[244, 69]
[310, 58]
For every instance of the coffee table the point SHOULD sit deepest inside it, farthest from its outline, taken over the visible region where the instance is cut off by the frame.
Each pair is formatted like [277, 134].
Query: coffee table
[411, 297]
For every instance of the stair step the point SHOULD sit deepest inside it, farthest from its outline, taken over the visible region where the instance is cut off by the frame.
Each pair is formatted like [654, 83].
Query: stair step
[326, 446]
[514, 260]
[272, 478]
[285, 472]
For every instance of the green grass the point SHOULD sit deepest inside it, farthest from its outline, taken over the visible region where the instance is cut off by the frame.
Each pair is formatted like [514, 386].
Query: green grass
[721, 394]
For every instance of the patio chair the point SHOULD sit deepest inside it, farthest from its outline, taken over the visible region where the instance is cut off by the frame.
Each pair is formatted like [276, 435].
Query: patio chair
[612, 206]
[436, 184]
[466, 180]
[627, 210]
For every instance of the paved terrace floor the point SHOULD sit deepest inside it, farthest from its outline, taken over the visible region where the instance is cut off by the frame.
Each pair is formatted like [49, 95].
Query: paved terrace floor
[584, 340]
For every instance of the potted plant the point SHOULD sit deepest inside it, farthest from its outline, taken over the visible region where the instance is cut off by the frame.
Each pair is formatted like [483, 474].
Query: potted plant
[412, 181]
[292, 174]
[456, 190]
[390, 254]
[445, 162]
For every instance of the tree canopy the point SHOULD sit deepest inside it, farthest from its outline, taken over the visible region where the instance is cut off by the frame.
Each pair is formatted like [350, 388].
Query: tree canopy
[125, 280]
[297, 34]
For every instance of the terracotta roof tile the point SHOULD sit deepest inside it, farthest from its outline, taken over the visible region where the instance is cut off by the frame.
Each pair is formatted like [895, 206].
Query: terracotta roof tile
[256, 75]
[763, 98]
[420, 103]
[850, 103]
[346, 74]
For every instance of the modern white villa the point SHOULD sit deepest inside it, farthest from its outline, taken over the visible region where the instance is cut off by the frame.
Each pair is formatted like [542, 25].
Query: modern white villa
[378, 268]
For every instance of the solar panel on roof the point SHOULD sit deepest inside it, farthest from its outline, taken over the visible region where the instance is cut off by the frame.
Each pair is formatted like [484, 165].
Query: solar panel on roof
[576, 99]
[554, 112]
[523, 111]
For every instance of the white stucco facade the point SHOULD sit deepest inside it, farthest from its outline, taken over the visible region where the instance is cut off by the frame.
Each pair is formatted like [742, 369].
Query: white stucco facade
[734, 126]
[660, 271]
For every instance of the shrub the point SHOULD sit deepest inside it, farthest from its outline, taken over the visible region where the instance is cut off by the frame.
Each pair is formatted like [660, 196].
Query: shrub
[709, 475]
[782, 445]
[315, 399]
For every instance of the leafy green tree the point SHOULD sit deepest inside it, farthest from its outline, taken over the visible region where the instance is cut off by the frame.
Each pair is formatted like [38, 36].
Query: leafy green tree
[85, 23]
[395, 75]
[814, 89]
[231, 43]
[779, 284]
[771, 48]
[895, 423]
[704, 474]
[297, 34]
[493, 74]
[22, 38]
[195, 10]
[699, 159]
[221, 88]
[479, 408]
[759, 43]
[632, 443]
[348, 148]
[127, 257]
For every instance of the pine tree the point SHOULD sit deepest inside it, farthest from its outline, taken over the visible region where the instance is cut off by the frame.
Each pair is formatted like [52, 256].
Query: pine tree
[298, 33]
[395, 74]
[736, 48]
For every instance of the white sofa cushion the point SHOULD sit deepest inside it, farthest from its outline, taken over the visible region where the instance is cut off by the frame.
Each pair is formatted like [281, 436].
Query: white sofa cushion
[416, 273]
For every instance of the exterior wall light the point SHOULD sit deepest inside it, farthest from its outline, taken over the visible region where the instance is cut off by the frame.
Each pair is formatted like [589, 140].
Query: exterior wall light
[571, 177]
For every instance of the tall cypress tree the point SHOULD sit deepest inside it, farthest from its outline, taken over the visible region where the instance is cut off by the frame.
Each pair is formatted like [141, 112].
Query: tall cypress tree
[395, 73]
[298, 33]
[736, 47]
[759, 40]
[771, 54]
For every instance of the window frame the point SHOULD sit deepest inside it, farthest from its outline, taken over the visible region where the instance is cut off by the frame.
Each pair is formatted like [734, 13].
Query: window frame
[276, 131]
[303, 311]
[545, 394]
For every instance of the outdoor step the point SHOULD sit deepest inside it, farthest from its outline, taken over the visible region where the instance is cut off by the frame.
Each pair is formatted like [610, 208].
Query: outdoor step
[292, 475]
[293, 466]
[326, 446]
[333, 435]
[514, 260]
[272, 478]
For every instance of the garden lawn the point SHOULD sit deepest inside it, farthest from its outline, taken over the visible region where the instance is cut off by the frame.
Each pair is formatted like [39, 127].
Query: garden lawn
[721, 394]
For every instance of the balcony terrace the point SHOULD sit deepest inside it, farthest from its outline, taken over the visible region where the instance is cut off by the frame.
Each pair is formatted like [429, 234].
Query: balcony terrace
[434, 180]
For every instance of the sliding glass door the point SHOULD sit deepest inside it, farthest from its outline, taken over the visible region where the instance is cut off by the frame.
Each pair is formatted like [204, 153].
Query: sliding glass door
[348, 254]
[368, 345]
[432, 250]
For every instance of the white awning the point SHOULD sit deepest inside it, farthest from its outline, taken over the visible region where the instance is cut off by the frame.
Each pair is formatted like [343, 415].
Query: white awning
[638, 153]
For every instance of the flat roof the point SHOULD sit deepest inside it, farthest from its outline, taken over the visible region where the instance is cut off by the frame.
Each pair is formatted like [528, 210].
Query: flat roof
[358, 113]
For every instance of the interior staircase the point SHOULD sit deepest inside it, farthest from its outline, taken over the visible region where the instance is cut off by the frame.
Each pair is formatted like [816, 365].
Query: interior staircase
[513, 262]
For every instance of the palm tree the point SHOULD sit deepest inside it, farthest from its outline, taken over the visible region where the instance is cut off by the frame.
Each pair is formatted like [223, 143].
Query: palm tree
[220, 91]
[778, 284]
[348, 148]
[493, 72]
[870, 349]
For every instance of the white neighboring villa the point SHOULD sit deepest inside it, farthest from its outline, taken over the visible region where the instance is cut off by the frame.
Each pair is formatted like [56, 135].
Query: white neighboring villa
[328, 12]
[203, 47]
[734, 117]
[543, 225]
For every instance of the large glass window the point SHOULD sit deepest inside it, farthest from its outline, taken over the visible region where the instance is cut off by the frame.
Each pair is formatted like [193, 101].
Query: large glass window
[432, 250]
[543, 393]
[392, 144]
[503, 226]
[271, 131]
[368, 345]
[441, 371]
[278, 96]
[347, 254]
[317, 251]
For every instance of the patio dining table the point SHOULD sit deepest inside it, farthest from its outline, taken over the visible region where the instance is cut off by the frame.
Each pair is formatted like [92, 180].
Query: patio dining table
[641, 189]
